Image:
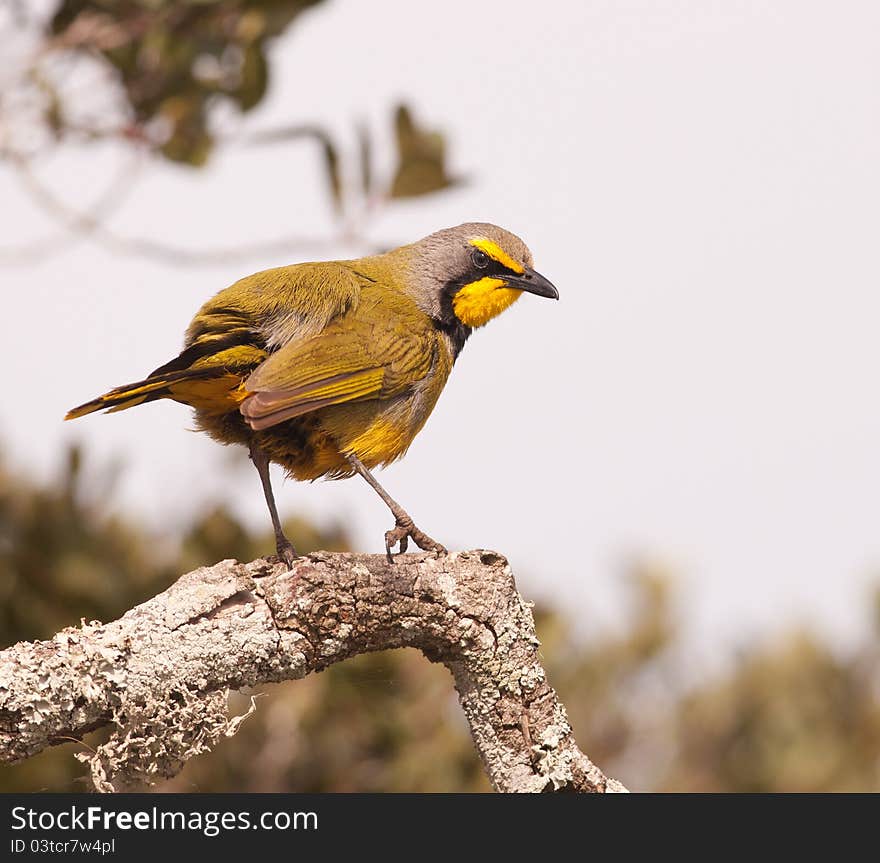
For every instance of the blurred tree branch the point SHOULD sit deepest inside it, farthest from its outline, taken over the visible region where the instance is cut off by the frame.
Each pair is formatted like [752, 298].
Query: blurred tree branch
[161, 674]
[91, 224]
[156, 74]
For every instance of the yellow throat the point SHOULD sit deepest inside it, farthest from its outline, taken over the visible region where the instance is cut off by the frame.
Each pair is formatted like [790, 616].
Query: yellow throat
[480, 301]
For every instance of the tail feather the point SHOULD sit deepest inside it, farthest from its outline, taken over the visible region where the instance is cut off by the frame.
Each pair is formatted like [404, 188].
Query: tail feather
[208, 375]
[129, 395]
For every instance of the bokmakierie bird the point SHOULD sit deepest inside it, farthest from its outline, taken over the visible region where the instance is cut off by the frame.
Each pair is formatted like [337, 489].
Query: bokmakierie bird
[330, 369]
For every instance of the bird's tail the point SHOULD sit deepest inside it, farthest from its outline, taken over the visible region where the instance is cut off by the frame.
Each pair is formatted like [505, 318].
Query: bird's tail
[207, 375]
[211, 390]
[185, 386]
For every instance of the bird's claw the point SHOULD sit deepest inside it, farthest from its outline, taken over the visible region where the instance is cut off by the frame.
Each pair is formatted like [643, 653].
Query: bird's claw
[286, 552]
[403, 531]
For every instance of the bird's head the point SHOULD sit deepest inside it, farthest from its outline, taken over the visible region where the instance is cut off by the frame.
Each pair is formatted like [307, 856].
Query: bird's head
[465, 276]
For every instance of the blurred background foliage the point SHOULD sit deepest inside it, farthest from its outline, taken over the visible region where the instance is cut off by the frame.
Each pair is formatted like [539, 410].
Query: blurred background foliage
[174, 59]
[788, 714]
[174, 81]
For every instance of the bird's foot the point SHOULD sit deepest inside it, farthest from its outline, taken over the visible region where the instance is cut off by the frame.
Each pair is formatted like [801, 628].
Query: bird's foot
[403, 531]
[285, 551]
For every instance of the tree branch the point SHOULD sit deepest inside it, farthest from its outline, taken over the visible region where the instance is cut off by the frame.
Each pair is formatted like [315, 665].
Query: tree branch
[160, 674]
[91, 225]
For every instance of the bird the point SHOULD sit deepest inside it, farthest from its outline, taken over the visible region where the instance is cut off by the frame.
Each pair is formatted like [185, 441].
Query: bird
[330, 369]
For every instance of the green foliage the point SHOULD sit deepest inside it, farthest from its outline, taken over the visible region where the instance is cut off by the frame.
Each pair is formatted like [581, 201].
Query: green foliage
[420, 168]
[170, 65]
[788, 715]
[175, 59]
[421, 159]
[65, 556]
[62, 558]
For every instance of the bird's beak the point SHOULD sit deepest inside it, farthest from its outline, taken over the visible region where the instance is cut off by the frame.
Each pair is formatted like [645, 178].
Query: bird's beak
[533, 283]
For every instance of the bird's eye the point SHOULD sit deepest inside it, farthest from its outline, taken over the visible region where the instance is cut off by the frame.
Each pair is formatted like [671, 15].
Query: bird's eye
[480, 259]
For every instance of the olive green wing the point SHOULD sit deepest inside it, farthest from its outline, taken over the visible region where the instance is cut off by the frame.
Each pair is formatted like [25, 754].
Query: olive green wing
[376, 352]
[276, 306]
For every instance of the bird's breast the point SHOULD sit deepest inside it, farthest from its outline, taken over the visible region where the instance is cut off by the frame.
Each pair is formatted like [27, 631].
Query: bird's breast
[381, 431]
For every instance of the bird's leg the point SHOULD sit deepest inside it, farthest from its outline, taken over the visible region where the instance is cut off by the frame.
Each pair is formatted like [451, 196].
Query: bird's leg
[283, 545]
[404, 528]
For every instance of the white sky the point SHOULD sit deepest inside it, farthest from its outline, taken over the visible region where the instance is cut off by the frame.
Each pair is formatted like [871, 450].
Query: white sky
[701, 180]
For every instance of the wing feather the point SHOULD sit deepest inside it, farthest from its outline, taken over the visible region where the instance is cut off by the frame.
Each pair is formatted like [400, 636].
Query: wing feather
[376, 353]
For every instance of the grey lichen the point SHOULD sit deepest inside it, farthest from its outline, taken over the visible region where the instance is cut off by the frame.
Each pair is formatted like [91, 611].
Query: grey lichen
[156, 738]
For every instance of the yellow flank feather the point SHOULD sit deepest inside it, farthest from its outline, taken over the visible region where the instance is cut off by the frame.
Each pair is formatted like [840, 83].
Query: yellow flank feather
[212, 396]
[496, 253]
[478, 302]
[382, 442]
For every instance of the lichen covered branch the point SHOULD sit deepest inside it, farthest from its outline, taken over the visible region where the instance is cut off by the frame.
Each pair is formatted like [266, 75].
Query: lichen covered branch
[160, 675]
